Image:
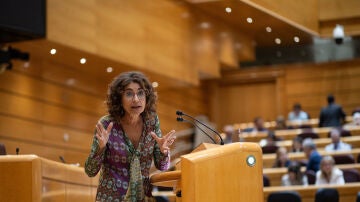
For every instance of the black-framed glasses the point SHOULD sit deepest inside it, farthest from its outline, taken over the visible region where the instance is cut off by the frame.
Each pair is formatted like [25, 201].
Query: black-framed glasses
[130, 94]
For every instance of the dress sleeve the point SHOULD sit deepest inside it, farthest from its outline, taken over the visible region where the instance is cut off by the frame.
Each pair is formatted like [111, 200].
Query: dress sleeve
[161, 161]
[94, 161]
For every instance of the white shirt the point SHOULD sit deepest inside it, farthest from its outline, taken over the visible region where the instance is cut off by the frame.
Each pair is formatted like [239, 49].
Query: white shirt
[341, 147]
[302, 116]
[337, 177]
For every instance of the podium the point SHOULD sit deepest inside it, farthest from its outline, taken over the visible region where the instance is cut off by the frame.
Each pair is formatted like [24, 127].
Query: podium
[231, 173]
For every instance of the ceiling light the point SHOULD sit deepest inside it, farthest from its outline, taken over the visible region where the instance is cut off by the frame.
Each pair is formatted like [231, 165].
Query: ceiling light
[296, 39]
[155, 84]
[268, 29]
[109, 69]
[278, 41]
[228, 9]
[205, 25]
[249, 20]
[53, 51]
[82, 60]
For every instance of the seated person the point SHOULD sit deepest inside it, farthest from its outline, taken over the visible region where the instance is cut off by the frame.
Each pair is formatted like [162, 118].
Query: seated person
[258, 126]
[282, 159]
[280, 123]
[297, 114]
[297, 144]
[269, 140]
[312, 155]
[229, 132]
[337, 144]
[328, 173]
[294, 176]
[355, 121]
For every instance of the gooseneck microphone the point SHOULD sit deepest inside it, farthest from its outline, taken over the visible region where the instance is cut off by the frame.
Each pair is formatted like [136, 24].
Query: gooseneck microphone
[181, 119]
[180, 114]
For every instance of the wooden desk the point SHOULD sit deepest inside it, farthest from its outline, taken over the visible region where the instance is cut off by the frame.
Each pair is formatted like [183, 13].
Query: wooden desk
[275, 174]
[31, 178]
[354, 141]
[291, 134]
[269, 159]
[347, 192]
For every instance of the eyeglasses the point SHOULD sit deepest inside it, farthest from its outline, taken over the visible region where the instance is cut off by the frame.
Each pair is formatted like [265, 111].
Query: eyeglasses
[130, 95]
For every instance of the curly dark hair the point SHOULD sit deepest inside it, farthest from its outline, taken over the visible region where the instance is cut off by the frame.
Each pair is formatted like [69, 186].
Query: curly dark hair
[117, 86]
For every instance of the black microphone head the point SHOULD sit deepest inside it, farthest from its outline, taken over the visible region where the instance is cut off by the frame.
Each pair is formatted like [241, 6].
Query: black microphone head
[180, 119]
[17, 150]
[179, 113]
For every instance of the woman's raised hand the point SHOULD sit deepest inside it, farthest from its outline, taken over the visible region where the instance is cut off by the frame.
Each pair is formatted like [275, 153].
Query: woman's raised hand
[102, 134]
[165, 142]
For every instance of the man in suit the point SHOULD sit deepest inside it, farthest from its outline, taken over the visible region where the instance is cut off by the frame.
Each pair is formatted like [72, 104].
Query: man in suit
[337, 144]
[332, 115]
[312, 155]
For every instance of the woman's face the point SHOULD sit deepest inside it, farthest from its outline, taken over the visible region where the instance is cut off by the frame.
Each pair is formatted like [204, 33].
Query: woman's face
[326, 167]
[134, 99]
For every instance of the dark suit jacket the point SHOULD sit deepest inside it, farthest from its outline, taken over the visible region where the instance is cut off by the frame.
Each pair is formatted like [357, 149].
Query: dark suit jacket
[331, 116]
[314, 161]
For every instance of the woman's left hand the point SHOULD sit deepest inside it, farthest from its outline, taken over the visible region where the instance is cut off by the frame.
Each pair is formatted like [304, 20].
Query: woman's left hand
[165, 142]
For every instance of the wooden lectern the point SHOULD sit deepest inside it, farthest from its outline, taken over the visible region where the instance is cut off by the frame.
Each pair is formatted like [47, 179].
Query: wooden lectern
[231, 172]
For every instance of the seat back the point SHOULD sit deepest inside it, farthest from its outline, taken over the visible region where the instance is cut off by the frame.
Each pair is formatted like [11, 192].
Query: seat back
[351, 175]
[327, 195]
[309, 134]
[2, 149]
[311, 176]
[266, 181]
[269, 149]
[344, 159]
[284, 196]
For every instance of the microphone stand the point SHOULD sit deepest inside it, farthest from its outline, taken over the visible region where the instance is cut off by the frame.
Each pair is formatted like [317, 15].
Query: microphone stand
[180, 113]
[180, 119]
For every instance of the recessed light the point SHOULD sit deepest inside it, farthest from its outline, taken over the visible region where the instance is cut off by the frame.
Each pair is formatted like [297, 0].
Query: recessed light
[109, 69]
[249, 20]
[53, 51]
[82, 60]
[228, 9]
[155, 84]
[296, 39]
[278, 41]
[268, 29]
[205, 25]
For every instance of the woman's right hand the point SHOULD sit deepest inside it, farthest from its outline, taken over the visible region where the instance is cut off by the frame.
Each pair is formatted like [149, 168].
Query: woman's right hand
[102, 134]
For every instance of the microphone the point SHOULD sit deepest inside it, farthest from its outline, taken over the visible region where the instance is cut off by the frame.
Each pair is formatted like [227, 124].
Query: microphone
[180, 119]
[17, 150]
[180, 113]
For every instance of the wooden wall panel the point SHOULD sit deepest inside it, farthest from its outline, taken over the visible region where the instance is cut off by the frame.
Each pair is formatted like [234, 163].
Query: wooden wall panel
[129, 32]
[303, 15]
[242, 103]
[338, 9]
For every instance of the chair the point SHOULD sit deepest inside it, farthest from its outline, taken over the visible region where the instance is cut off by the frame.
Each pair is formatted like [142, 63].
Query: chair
[343, 159]
[266, 181]
[311, 176]
[343, 133]
[351, 175]
[358, 197]
[269, 149]
[327, 195]
[309, 134]
[284, 196]
[2, 149]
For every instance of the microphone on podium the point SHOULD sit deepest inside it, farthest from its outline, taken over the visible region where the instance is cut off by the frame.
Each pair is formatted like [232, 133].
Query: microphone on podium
[180, 114]
[62, 159]
[181, 119]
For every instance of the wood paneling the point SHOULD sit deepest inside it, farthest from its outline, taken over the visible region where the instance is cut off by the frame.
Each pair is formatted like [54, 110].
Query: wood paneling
[303, 15]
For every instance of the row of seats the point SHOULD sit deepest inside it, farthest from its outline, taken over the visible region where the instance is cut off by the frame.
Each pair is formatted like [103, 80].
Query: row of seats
[322, 195]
